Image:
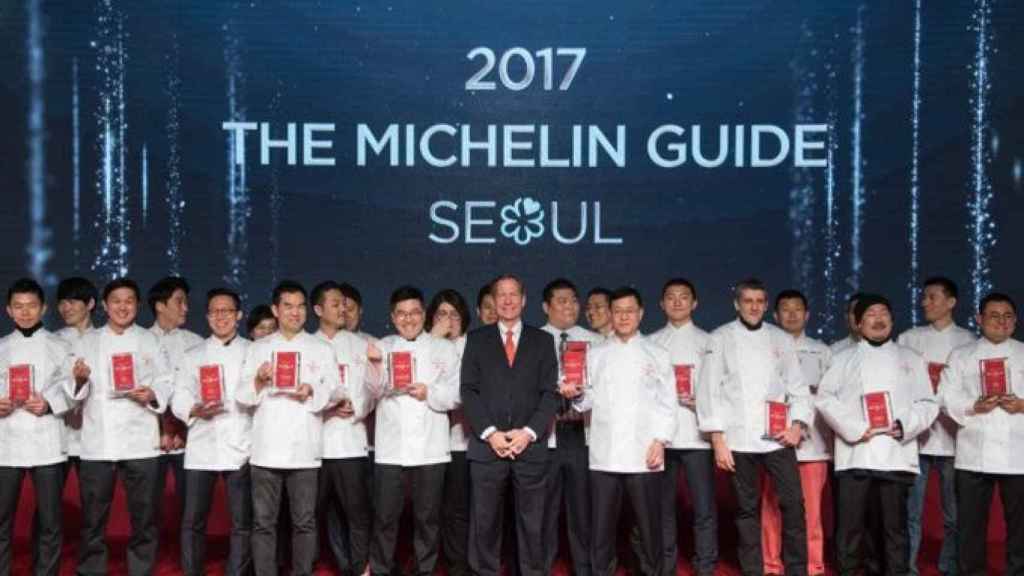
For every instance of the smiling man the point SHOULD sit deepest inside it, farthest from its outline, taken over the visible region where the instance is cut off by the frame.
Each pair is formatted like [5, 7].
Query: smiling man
[77, 299]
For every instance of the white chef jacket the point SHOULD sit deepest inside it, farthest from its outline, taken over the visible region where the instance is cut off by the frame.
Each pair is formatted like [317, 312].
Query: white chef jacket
[865, 368]
[27, 440]
[985, 443]
[117, 428]
[743, 370]
[175, 342]
[631, 396]
[576, 334]
[840, 345]
[346, 437]
[935, 346]
[410, 432]
[686, 344]
[223, 442]
[458, 438]
[814, 358]
[72, 437]
[287, 434]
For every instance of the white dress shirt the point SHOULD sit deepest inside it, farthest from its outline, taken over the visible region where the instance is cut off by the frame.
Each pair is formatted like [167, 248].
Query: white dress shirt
[346, 437]
[865, 368]
[986, 443]
[935, 345]
[410, 432]
[631, 396]
[814, 358]
[743, 370]
[223, 442]
[27, 440]
[286, 433]
[118, 428]
[72, 437]
[573, 334]
[686, 344]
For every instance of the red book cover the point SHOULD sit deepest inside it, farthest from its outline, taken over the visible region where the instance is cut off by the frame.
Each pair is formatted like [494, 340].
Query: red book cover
[211, 383]
[684, 382]
[935, 373]
[401, 366]
[122, 372]
[341, 372]
[20, 382]
[776, 415]
[994, 381]
[286, 370]
[878, 410]
[574, 363]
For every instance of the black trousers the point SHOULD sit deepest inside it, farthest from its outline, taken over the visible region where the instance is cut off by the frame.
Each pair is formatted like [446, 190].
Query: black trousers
[47, 527]
[345, 497]
[781, 465]
[858, 492]
[267, 487]
[426, 487]
[199, 496]
[173, 464]
[644, 493]
[974, 499]
[489, 481]
[455, 515]
[142, 488]
[568, 481]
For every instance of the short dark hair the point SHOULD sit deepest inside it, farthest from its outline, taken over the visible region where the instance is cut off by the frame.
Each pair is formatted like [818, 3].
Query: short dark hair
[406, 292]
[351, 292]
[256, 315]
[162, 291]
[790, 294]
[679, 282]
[224, 292]
[852, 299]
[867, 301]
[77, 288]
[512, 277]
[947, 285]
[749, 284]
[321, 290]
[287, 287]
[558, 284]
[600, 291]
[996, 297]
[118, 283]
[26, 286]
[452, 297]
[484, 292]
[627, 292]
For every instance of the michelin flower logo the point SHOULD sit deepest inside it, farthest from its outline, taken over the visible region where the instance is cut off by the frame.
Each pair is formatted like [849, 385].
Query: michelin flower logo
[522, 220]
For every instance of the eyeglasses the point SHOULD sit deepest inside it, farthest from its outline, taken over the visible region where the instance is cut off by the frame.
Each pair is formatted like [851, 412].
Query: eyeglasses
[222, 312]
[403, 315]
[447, 314]
[1006, 317]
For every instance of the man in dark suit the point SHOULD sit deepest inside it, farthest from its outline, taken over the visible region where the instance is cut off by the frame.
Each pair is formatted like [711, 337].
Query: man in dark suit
[509, 395]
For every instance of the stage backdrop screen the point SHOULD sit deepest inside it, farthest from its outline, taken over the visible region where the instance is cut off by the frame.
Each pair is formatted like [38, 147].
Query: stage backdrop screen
[824, 146]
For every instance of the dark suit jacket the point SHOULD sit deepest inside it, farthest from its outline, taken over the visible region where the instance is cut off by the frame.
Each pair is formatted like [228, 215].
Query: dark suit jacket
[508, 397]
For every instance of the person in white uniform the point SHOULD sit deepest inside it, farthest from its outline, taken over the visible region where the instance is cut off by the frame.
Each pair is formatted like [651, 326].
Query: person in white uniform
[77, 298]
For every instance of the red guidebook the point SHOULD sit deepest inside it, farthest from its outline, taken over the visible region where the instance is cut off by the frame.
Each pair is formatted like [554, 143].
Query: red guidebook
[286, 371]
[877, 410]
[994, 378]
[211, 383]
[684, 382]
[574, 363]
[401, 368]
[776, 415]
[122, 372]
[935, 373]
[20, 382]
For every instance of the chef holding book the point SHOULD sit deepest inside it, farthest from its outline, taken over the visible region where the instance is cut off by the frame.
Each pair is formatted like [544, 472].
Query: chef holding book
[877, 398]
[219, 434]
[121, 375]
[289, 378]
[979, 391]
[418, 385]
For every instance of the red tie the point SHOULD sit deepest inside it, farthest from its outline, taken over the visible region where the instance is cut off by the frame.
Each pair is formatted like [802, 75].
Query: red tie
[510, 347]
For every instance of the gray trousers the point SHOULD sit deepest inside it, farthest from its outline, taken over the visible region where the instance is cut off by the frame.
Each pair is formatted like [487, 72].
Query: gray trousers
[97, 491]
[199, 496]
[48, 483]
[301, 485]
